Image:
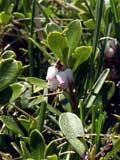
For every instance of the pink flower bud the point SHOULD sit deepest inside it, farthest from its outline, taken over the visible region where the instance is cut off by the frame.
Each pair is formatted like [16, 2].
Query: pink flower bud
[51, 72]
[62, 79]
[53, 84]
[69, 75]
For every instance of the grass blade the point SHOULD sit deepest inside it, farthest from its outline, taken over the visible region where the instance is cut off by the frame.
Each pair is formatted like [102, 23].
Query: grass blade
[96, 88]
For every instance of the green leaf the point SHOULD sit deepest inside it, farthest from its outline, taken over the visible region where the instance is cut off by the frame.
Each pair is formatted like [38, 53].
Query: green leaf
[89, 24]
[8, 54]
[5, 95]
[9, 70]
[51, 27]
[58, 44]
[42, 49]
[73, 33]
[11, 93]
[114, 10]
[37, 145]
[24, 98]
[4, 18]
[37, 82]
[25, 123]
[72, 128]
[18, 15]
[51, 148]
[25, 151]
[17, 90]
[36, 101]
[71, 125]
[16, 147]
[11, 124]
[106, 14]
[99, 7]
[5, 141]
[53, 110]
[52, 157]
[81, 54]
[77, 3]
[108, 90]
[65, 103]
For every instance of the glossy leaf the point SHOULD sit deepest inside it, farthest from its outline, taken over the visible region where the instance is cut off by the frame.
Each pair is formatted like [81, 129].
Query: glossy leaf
[9, 70]
[81, 54]
[37, 145]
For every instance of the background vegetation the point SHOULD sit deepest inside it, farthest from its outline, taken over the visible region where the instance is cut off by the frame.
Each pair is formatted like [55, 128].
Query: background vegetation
[81, 121]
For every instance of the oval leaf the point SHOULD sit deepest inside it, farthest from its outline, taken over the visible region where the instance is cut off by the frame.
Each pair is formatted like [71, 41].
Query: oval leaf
[72, 128]
[51, 27]
[58, 44]
[81, 54]
[11, 93]
[73, 34]
[71, 125]
[37, 145]
[9, 69]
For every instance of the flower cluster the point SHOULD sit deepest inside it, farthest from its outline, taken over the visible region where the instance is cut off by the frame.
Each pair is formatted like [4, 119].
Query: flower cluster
[57, 78]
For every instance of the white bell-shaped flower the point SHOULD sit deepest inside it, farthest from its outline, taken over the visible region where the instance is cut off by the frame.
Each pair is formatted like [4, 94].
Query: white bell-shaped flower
[69, 75]
[51, 72]
[53, 84]
[62, 79]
